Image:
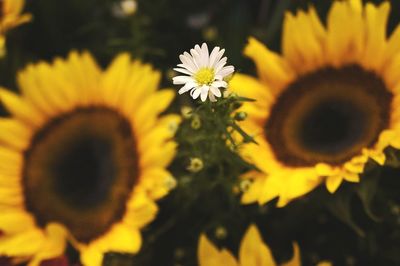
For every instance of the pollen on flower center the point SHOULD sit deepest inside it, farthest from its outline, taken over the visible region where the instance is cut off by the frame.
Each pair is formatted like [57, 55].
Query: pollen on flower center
[205, 76]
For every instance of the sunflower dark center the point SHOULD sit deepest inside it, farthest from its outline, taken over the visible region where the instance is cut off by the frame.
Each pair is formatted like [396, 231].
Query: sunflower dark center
[328, 116]
[80, 170]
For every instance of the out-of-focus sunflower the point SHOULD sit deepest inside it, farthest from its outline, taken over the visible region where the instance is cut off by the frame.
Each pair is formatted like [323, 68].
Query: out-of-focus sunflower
[253, 252]
[10, 17]
[83, 158]
[326, 105]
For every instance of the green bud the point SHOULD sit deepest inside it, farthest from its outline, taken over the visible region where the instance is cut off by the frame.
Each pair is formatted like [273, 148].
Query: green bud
[196, 122]
[240, 116]
[195, 165]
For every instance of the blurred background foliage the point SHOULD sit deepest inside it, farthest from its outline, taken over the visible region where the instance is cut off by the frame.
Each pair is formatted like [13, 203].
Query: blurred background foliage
[359, 225]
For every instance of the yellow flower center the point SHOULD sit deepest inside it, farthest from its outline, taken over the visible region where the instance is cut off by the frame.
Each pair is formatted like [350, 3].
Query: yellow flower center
[205, 76]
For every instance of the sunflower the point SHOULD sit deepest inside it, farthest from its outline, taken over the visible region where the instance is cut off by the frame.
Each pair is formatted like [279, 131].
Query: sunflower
[83, 158]
[325, 106]
[11, 17]
[253, 252]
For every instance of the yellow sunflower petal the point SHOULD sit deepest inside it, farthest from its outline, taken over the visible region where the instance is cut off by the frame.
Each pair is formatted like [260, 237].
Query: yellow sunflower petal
[301, 46]
[141, 210]
[160, 134]
[10, 158]
[333, 183]
[45, 85]
[20, 108]
[209, 255]
[393, 45]
[115, 78]
[324, 263]
[160, 157]
[391, 78]
[2, 45]
[376, 21]
[271, 68]
[261, 189]
[354, 167]
[351, 177]
[53, 246]
[227, 258]
[324, 169]
[31, 82]
[253, 251]
[10, 167]
[13, 6]
[156, 181]
[150, 108]
[254, 191]
[344, 44]
[295, 184]
[11, 196]
[120, 238]
[12, 14]
[10, 22]
[16, 245]
[378, 157]
[143, 80]
[270, 190]
[250, 87]
[296, 260]
[86, 74]
[318, 28]
[14, 134]
[356, 5]
[15, 221]
[259, 154]
[390, 137]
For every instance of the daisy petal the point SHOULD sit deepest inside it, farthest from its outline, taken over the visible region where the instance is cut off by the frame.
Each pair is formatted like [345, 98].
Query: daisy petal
[215, 91]
[212, 97]
[195, 93]
[219, 83]
[220, 64]
[188, 86]
[183, 71]
[213, 57]
[204, 92]
[226, 71]
[218, 57]
[204, 55]
[196, 55]
[181, 80]
[187, 62]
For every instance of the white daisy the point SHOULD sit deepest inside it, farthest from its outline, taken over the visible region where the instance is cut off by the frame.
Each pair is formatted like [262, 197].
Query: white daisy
[206, 72]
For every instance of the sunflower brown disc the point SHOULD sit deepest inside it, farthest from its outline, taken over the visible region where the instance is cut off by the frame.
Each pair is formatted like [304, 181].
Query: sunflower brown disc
[328, 116]
[1, 8]
[80, 170]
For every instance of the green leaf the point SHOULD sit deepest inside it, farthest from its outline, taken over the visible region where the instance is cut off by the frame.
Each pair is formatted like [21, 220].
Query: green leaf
[247, 138]
[366, 191]
[340, 206]
[392, 157]
[245, 99]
